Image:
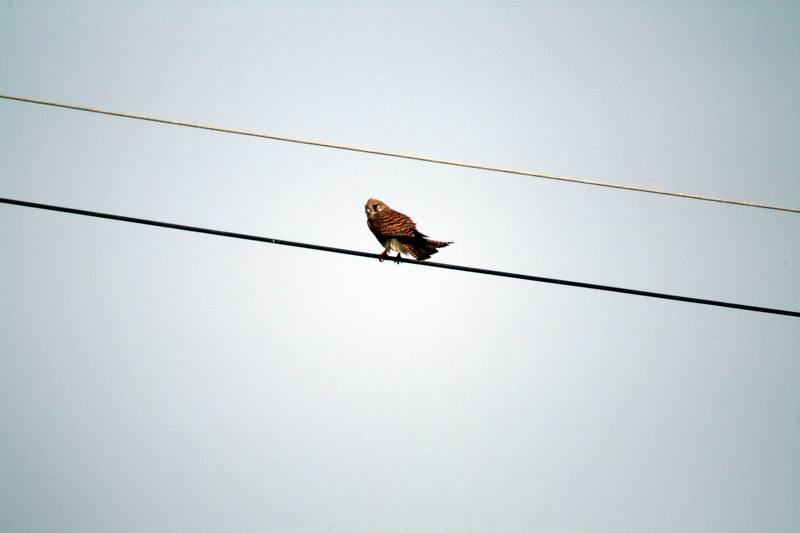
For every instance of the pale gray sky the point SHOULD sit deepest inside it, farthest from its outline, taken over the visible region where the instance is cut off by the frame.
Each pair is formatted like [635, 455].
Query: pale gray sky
[154, 380]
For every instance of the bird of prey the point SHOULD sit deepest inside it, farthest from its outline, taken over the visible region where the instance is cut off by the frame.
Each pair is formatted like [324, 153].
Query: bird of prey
[396, 231]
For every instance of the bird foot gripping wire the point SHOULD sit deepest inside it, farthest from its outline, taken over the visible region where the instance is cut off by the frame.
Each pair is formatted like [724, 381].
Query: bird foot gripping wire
[385, 255]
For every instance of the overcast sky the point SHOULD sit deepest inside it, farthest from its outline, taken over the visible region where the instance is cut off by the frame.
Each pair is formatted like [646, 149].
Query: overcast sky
[156, 380]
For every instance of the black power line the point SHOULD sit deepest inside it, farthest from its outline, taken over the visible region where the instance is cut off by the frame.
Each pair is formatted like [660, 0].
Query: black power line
[420, 263]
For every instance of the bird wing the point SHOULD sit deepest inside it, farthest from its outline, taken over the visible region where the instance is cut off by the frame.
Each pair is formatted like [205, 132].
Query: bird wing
[394, 224]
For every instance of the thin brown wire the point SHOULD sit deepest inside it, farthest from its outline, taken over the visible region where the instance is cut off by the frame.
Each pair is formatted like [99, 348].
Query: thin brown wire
[403, 156]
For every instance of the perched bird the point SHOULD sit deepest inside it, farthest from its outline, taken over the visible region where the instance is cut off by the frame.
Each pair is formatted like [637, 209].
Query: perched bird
[396, 231]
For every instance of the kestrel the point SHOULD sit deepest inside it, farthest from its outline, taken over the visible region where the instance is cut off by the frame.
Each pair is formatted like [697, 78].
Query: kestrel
[396, 231]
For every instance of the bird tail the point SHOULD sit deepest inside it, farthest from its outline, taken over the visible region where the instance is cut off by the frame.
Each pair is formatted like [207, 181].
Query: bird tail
[438, 244]
[422, 248]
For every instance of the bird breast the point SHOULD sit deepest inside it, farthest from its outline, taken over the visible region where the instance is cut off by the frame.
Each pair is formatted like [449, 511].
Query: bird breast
[396, 245]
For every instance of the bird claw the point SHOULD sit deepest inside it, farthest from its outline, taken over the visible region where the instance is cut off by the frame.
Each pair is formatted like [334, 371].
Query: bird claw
[385, 255]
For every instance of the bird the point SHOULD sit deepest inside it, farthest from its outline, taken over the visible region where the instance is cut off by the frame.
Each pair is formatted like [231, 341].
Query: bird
[396, 231]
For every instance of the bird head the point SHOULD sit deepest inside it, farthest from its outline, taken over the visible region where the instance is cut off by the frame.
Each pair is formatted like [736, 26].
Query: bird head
[373, 207]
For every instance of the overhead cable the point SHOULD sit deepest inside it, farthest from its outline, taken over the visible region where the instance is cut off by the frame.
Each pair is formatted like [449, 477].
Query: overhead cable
[357, 253]
[401, 155]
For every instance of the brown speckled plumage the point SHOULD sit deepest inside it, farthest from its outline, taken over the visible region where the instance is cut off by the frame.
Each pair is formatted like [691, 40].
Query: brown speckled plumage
[396, 231]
